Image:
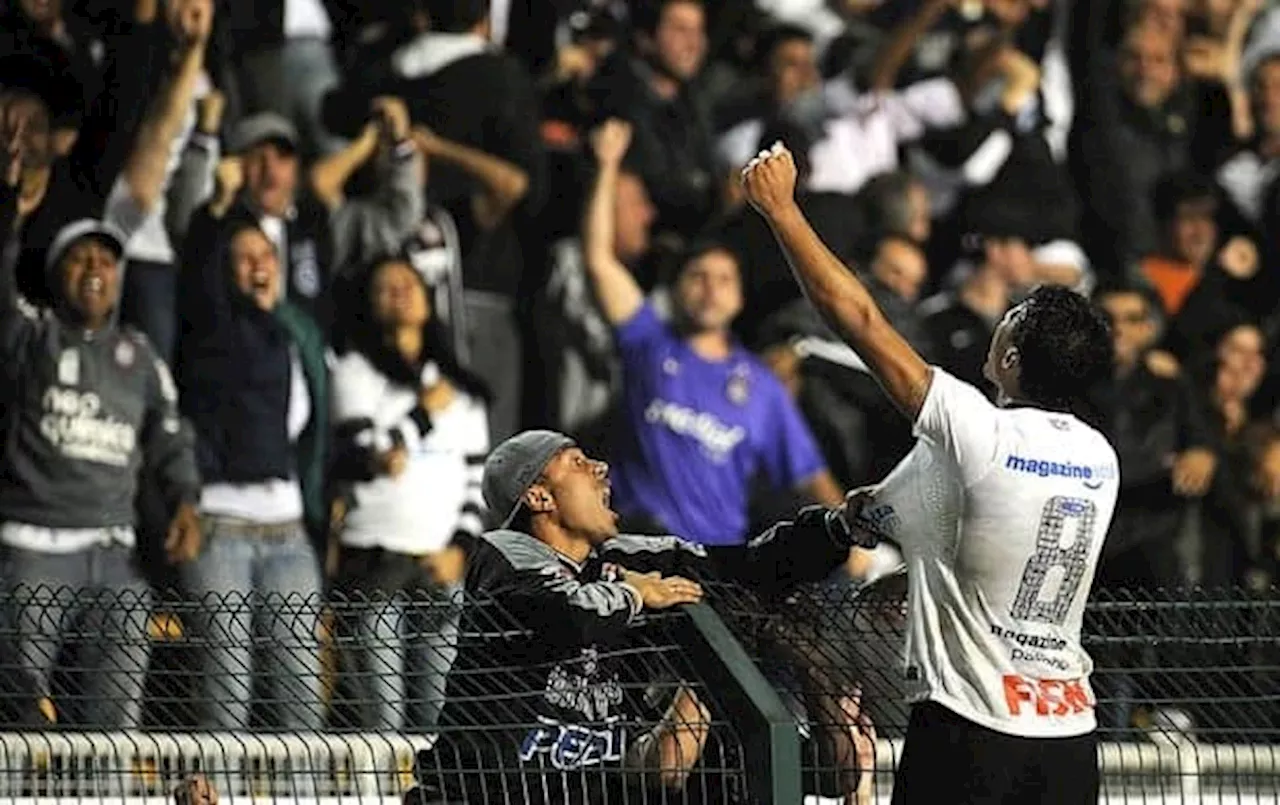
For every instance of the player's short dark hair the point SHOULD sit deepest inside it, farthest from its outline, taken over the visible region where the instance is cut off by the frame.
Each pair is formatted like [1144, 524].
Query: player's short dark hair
[456, 16]
[646, 15]
[1064, 347]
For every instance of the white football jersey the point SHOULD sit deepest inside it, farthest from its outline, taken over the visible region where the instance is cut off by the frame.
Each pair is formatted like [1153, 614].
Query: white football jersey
[1000, 514]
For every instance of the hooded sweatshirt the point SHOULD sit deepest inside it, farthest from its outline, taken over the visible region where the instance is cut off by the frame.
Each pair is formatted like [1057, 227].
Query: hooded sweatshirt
[84, 412]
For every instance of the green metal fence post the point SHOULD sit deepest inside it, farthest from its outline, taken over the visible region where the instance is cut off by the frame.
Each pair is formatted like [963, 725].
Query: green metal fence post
[771, 736]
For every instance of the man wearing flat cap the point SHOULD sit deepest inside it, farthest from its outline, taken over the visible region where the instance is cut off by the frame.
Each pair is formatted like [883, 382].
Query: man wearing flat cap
[260, 182]
[87, 406]
[558, 568]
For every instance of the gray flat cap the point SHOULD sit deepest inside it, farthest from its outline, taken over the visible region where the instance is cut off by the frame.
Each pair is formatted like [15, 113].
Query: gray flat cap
[260, 128]
[514, 465]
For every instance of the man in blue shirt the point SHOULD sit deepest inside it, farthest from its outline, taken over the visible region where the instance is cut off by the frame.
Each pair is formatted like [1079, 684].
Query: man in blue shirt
[704, 416]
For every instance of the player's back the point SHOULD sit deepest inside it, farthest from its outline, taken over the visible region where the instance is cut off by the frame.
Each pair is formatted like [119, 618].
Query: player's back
[1001, 515]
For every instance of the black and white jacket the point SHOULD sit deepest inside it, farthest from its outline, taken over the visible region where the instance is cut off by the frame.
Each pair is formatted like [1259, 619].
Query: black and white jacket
[438, 495]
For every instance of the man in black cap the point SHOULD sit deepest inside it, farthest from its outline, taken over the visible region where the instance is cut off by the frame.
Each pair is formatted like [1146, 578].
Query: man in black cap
[87, 405]
[558, 571]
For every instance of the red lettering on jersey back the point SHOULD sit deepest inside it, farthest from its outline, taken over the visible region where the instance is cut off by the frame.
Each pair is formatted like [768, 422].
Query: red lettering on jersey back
[1045, 697]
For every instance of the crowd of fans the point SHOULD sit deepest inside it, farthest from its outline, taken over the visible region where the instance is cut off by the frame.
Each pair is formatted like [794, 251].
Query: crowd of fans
[276, 275]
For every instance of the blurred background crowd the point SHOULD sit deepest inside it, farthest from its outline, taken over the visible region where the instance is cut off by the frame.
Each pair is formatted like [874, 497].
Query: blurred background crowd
[278, 274]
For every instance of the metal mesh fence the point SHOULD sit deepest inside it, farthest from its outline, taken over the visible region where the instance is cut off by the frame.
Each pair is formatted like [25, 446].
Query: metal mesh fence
[115, 697]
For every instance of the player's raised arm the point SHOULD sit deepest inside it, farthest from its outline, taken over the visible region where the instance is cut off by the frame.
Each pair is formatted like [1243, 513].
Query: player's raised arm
[832, 288]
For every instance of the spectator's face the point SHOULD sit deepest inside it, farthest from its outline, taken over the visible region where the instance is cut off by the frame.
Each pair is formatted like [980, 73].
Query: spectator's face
[579, 490]
[41, 12]
[633, 216]
[256, 267]
[196, 791]
[37, 130]
[1011, 260]
[173, 11]
[792, 70]
[709, 292]
[1132, 328]
[1193, 232]
[919, 220]
[681, 40]
[901, 267]
[1010, 13]
[1241, 361]
[1266, 96]
[271, 176]
[1149, 66]
[398, 298]
[91, 280]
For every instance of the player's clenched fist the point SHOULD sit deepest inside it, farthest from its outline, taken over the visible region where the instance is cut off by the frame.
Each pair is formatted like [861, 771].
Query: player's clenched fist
[770, 180]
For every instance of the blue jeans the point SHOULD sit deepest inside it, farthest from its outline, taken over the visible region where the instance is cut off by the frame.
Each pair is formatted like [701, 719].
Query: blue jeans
[399, 633]
[257, 588]
[93, 598]
[404, 649]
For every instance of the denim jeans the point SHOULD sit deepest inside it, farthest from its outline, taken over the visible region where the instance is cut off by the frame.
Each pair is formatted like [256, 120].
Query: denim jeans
[257, 590]
[94, 599]
[400, 636]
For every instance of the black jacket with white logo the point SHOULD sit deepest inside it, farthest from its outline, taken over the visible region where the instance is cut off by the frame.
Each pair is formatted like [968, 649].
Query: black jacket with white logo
[82, 414]
[541, 681]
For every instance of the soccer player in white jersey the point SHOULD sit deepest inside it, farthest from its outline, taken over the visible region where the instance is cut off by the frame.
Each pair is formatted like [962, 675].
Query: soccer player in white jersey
[1000, 513]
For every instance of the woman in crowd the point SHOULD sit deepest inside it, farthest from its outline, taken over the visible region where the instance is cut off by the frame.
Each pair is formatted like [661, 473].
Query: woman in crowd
[1233, 375]
[411, 437]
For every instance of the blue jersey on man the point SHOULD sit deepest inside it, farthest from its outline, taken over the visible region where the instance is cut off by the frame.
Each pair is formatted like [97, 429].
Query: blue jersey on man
[699, 431]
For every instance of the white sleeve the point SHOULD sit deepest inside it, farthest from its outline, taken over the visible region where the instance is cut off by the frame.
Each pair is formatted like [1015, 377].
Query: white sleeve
[471, 516]
[737, 146]
[962, 423]
[353, 392]
[929, 104]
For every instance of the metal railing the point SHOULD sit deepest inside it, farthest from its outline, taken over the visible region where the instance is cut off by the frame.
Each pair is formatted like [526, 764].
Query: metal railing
[115, 699]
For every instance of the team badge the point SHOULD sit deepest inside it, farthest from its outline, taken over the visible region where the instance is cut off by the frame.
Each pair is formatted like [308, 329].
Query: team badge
[69, 367]
[736, 390]
[306, 269]
[671, 366]
[125, 354]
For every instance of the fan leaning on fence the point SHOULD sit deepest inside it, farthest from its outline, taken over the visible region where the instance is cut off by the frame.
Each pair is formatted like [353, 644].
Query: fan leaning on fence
[559, 568]
[1000, 512]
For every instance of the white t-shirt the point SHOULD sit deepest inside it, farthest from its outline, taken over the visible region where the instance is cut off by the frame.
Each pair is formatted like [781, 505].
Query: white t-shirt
[1000, 515]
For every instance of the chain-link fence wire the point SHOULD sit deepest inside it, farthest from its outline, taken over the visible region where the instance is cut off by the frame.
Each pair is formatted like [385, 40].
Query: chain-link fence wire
[294, 697]
[1187, 685]
[121, 694]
